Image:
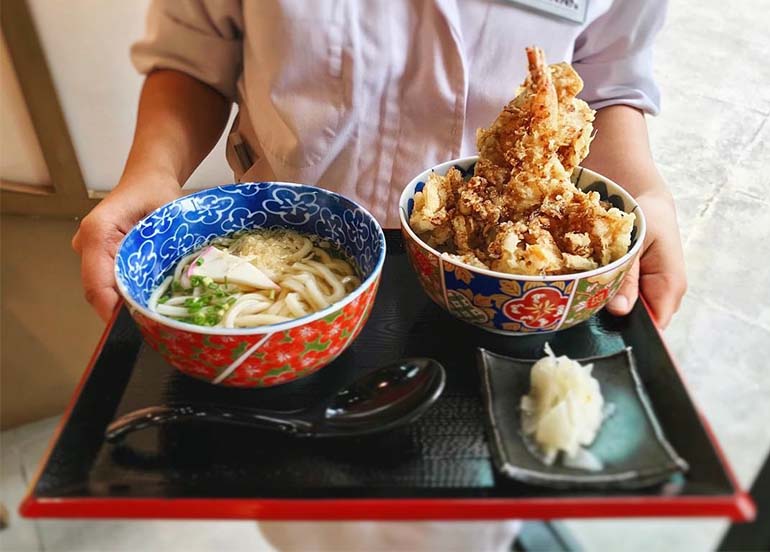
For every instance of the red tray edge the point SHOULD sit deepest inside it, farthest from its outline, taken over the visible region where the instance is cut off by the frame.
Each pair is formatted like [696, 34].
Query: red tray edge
[738, 507]
[70, 407]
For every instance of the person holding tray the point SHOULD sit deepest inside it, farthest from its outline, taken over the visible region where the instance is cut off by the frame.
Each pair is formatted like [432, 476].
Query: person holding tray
[359, 97]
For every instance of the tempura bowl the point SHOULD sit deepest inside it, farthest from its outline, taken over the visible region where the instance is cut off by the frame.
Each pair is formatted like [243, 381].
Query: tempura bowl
[512, 304]
[267, 355]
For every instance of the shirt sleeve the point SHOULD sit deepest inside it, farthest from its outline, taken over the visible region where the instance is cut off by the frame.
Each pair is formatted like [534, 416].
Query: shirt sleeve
[202, 38]
[613, 55]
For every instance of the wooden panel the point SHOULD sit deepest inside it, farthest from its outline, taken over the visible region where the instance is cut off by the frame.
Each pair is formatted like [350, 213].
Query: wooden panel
[21, 159]
[26, 188]
[42, 101]
[15, 203]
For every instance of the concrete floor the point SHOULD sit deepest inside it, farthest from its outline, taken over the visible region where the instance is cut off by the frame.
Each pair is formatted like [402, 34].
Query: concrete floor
[712, 143]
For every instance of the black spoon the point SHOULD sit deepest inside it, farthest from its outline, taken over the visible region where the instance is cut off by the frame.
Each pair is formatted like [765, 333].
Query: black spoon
[383, 399]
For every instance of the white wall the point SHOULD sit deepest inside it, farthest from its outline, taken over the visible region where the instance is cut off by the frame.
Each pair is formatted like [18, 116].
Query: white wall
[87, 46]
[20, 157]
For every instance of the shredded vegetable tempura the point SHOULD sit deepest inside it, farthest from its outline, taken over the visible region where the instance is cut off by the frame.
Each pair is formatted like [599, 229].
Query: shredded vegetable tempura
[520, 213]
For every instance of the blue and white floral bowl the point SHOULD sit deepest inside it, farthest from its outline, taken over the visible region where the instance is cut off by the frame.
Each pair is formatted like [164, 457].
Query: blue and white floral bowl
[250, 357]
[512, 304]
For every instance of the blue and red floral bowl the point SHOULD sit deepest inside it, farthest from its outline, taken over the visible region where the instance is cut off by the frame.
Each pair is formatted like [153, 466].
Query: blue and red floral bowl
[250, 357]
[512, 304]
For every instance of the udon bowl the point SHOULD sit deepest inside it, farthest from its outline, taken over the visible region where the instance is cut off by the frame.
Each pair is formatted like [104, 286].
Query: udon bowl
[514, 304]
[261, 356]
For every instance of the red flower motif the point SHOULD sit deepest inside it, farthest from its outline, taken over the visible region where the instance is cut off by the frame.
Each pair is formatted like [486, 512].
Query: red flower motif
[422, 262]
[189, 339]
[539, 308]
[305, 333]
[219, 357]
[179, 349]
[306, 362]
[279, 352]
[303, 349]
[193, 368]
[598, 298]
[149, 327]
[225, 339]
[252, 368]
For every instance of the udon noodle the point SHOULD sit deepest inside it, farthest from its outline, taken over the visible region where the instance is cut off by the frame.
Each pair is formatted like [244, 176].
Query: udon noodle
[255, 278]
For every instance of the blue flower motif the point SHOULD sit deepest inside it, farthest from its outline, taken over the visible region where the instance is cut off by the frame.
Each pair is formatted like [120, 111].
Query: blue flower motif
[160, 222]
[177, 245]
[207, 209]
[122, 271]
[366, 264]
[153, 247]
[330, 226]
[240, 218]
[203, 239]
[141, 262]
[293, 208]
[357, 227]
[248, 189]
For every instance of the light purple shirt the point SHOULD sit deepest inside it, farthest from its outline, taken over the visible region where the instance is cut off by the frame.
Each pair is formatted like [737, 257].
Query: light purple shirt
[360, 96]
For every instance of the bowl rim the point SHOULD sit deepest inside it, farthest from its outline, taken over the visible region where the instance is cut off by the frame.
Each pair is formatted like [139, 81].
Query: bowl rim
[268, 328]
[630, 254]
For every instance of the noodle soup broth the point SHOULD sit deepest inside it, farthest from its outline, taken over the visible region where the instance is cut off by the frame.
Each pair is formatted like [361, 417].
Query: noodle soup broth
[255, 278]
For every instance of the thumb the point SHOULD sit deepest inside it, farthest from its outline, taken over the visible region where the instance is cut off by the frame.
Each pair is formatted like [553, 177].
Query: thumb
[624, 300]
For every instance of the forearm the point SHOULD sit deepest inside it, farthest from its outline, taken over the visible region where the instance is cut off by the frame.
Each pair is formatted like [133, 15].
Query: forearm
[621, 151]
[179, 121]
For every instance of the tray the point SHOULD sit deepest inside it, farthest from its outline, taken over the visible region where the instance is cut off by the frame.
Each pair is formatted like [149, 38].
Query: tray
[438, 468]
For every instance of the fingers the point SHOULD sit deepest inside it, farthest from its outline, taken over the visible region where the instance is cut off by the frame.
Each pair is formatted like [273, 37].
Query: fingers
[96, 242]
[99, 284]
[660, 272]
[624, 300]
[97, 274]
[663, 281]
[77, 242]
[100, 233]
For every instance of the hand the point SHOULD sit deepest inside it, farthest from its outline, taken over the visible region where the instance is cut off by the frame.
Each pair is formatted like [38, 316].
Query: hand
[101, 231]
[660, 272]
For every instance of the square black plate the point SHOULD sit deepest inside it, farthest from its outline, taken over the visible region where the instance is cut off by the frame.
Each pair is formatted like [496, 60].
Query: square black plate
[437, 468]
[630, 444]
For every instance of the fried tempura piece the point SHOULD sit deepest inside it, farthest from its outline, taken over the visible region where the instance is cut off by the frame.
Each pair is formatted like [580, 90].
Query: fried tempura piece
[465, 233]
[575, 126]
[525, 248]
[479, 207]
[578, 244]
[609, 230]
[521, 213]
[479, 199]
[522, 140]
[431, 215]
[540, 136]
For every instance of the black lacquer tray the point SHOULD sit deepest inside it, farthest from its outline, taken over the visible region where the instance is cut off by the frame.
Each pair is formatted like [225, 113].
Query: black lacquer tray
[438, 468]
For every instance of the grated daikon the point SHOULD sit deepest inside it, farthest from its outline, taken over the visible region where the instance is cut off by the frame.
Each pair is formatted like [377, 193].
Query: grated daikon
[564, 408]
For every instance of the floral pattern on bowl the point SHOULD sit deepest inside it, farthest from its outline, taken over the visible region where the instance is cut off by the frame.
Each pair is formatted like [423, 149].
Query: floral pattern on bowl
[511, 304]
[279, 357]
[266, 355]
